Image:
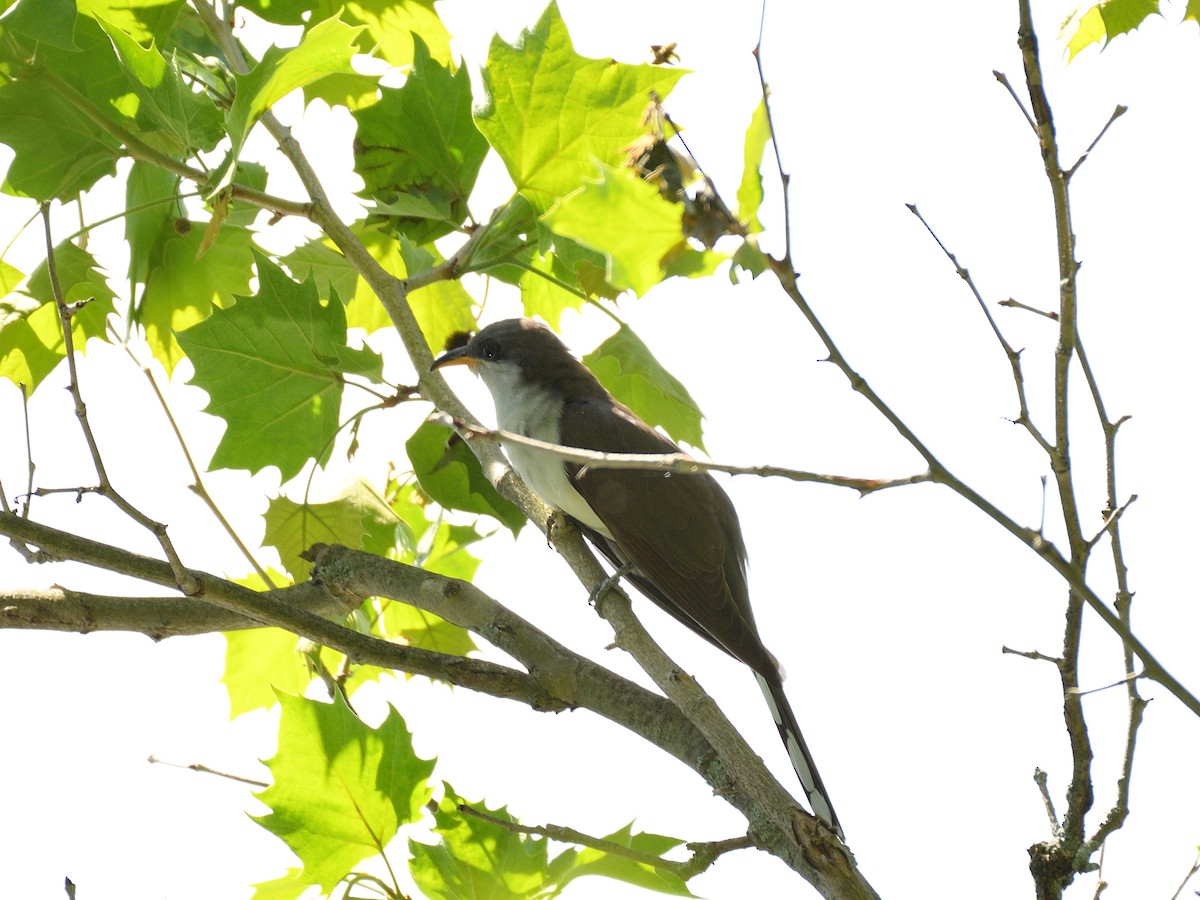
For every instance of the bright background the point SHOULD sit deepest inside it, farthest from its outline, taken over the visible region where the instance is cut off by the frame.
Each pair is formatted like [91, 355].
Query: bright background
[888, 613]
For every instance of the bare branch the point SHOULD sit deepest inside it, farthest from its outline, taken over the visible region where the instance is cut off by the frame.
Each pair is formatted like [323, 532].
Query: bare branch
[158, 529]
[1017, 304]
[1031, 654]
[1003, 79]
[671, 462]
[1116, 114]
[1014, 356]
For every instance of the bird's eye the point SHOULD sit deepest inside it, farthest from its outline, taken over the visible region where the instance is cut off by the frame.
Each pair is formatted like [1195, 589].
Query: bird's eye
[489, 350]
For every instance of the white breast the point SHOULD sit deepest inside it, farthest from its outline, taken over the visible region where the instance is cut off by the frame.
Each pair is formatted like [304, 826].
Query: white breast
[533, 412]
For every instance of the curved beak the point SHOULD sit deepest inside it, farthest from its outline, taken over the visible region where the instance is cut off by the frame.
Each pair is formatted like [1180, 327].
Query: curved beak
[456, 357]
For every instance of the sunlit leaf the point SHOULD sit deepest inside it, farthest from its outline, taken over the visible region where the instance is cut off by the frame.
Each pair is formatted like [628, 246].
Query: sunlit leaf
[552, 114]
[341, 788]
[629, 370]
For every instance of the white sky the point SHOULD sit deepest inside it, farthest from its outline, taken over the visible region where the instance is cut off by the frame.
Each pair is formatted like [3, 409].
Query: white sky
[888, 613]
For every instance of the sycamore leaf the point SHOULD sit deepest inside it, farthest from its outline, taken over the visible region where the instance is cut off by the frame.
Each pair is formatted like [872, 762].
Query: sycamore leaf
[10, 277]
[273, 366]
[286, 887]
[629, 370]
[545, 289]
[182, 287]
[31, 341]
[182, 119]
[360, 513]
[258, 660]
[572, 864]
[627, 220]
[341, 788]
[419, 142]
[449, 473]
[419, 628]
[750, 191]
[551, 114]
[143, 20]
[152, 198]
[325, 50]
[477, 858]
[1109, 19]
[57, 151]
[392, 25]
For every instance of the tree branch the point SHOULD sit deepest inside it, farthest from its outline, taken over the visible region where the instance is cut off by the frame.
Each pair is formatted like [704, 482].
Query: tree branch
[670, 462]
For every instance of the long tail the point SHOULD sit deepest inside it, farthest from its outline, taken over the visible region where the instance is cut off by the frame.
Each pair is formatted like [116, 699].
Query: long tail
[802, 761]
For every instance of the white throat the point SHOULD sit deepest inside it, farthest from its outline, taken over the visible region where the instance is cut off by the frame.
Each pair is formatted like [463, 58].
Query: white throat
[532, 411]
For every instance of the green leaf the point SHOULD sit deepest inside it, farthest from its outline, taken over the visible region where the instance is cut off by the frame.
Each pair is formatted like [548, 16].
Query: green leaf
[258, 660]
[10, 277]
[272, 365]
[420, 142]
[391, 26]
[1108, 19]
[451, 475]
[419, 628]
[182, 287]
[341, 788]
[588, 861]
[750, 191]
[326, 49]
[152, 201]
[544, 290]
[476, 858]
[627, 368]
[47, 23]
[627, 220]
[142, 20]
[57, 151]
[291, 528]
[285, 887]
[749, 258]
[31, 341]
[184, 120]
[551, 114]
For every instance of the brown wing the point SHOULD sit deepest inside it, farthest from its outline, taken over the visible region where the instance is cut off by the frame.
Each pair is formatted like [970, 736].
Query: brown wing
[680, 531]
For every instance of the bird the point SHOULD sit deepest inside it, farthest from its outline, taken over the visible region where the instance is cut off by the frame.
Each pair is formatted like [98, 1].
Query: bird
[677, 535]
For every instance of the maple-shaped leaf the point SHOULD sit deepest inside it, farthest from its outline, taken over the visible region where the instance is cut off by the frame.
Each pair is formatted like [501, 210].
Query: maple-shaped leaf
[450, 473]
[31, 337]
[418, 150]
[291, 527]
[627, 368]
[572, 864]
[273, 366]
[478, 858]
[551, 113]
[628, 221]
[341, 788]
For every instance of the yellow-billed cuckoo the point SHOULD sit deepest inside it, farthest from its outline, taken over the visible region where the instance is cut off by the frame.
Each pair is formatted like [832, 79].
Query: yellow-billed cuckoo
[680, 533]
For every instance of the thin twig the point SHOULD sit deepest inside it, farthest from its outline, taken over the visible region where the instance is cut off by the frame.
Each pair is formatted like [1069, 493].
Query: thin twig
[1014, 356]
[785, 179]
[567, 835]
[1041, 779]
[670, 462]
[1116, 114]
[197, 486]
[1030, 654]
[205, 770]
[186, 582]
[1017, 304]
[1003, 79]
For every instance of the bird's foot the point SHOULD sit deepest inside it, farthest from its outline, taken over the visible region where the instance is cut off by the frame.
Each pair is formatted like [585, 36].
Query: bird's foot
[609, 583]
